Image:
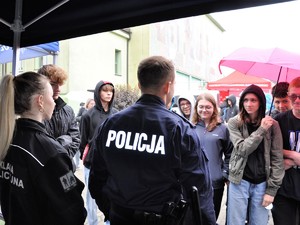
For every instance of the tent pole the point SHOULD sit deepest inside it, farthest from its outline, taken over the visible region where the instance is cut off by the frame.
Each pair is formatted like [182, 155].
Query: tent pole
[55, 58]
[17, 29]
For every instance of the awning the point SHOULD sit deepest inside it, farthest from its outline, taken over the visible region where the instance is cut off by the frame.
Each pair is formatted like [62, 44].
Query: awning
[238, 81]
[6, 52]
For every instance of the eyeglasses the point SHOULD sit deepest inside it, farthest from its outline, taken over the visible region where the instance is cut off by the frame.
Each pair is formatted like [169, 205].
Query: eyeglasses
[293, 97]
[207, 107]
[185, 104]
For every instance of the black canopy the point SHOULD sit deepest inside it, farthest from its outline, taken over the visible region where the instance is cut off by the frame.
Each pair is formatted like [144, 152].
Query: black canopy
[75, 18]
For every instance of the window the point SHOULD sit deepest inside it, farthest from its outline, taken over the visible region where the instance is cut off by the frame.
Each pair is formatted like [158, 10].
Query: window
[2, 66]
[21, 66]
[38, 62]
[118, 68]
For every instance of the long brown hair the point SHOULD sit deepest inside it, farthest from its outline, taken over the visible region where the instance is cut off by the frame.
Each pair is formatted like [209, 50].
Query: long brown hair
[244, 117]
[214, 120]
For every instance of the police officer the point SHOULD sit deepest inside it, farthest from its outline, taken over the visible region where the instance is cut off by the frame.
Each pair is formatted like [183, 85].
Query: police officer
[146, 156]
[37, 184]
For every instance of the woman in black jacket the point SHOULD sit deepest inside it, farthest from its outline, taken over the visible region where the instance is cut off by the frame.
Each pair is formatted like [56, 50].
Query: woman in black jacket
[37, 184]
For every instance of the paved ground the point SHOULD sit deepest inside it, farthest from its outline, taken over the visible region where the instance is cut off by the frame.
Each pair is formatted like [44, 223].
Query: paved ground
[79, 173]
[221, 219]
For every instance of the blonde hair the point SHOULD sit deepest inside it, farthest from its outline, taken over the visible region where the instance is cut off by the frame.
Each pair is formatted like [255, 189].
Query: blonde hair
[7, 114]
[15, 94]
[88, 101]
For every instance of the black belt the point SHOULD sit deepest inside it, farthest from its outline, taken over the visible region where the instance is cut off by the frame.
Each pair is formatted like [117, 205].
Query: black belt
[172, 214]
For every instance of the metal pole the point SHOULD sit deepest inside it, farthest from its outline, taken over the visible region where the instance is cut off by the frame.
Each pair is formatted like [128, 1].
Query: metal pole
[275, 91]
[55, 58]
[17, 29]
[196, 209]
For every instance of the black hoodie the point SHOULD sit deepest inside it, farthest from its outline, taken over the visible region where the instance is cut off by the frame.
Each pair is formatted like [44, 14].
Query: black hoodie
[93, 118]
[231, 111]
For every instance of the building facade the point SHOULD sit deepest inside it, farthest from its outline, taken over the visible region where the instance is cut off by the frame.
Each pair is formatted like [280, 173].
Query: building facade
[193, 44]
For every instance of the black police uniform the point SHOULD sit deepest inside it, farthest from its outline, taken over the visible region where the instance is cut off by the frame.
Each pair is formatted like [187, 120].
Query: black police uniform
[37, 185]
[144, 156]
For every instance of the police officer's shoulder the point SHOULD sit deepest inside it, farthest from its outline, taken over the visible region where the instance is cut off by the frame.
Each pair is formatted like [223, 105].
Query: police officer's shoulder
[114, 110]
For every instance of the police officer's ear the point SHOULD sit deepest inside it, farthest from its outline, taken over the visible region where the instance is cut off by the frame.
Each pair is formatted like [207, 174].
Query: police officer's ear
[140, 87]
[167, 87]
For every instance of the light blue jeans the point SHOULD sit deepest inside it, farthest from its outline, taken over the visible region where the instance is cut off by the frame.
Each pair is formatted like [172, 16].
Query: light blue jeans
[238, 196]
[90, 203]
[76, 159]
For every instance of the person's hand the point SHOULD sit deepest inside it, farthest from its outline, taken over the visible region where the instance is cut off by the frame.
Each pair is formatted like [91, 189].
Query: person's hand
[267, 122]
[292, 155]
[289, 163]
[267, 200]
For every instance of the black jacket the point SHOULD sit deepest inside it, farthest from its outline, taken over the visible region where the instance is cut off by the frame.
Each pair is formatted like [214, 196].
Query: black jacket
[290, 129]
[92, 119]
[63, 127]
[143, 157]
[230, 112]
[38, 186]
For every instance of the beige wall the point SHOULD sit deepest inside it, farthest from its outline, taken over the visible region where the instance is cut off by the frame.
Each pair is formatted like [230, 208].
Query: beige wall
[87, 60]
[91, 59]
[192, 43]
[139, 45]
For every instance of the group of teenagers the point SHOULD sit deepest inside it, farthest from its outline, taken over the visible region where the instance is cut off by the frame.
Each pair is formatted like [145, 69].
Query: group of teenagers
[139, 159]
[253, 151]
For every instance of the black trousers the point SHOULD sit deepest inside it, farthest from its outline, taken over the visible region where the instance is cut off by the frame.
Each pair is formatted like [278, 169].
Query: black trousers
[120, 216]
[218, 195]
[285, 211]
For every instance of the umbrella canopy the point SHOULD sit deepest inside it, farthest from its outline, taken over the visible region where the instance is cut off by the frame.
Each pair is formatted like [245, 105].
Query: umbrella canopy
[6, 52]
[274, 64]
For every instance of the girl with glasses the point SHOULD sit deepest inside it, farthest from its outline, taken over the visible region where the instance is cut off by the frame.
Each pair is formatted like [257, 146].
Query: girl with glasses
[215, 140]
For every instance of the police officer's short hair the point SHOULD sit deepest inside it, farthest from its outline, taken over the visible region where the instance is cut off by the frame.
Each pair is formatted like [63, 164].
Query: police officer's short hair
[154, 71]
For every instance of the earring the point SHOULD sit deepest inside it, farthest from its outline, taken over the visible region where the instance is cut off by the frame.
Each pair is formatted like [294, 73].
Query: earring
[41, 110]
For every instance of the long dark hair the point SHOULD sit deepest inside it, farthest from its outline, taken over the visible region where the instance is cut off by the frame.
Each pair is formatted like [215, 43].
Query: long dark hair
[245, 117]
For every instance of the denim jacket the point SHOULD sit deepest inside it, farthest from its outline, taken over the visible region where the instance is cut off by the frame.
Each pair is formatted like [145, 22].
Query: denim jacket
[244, 145]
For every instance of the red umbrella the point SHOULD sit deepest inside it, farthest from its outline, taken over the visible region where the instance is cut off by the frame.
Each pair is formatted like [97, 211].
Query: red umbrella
[274, 64]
